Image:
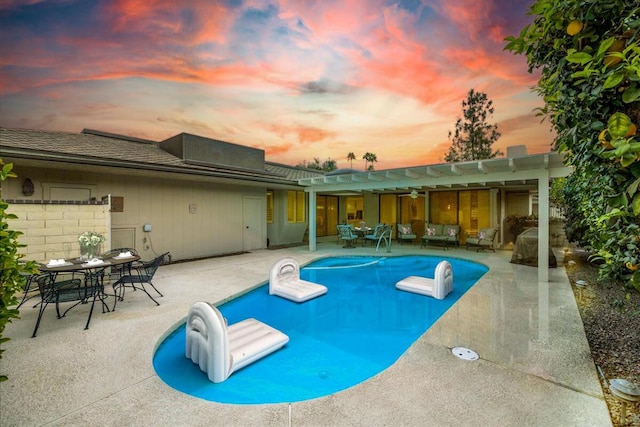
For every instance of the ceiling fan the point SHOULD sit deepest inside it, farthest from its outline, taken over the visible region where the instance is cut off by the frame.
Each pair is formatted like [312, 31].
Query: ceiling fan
[414, 194]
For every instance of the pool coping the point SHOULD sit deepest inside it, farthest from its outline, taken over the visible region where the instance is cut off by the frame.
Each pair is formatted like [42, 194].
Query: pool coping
[535, 366]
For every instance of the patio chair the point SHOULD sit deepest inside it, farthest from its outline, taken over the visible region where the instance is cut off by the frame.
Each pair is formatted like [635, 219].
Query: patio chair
[405, 233]
[141, 273]
[485, 239]
[118, 270]
[347, 235]
[68, 287]
[373, 237]
[30, 289]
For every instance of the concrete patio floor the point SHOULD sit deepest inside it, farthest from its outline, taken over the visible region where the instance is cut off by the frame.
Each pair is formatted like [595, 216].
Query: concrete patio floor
[535, 367]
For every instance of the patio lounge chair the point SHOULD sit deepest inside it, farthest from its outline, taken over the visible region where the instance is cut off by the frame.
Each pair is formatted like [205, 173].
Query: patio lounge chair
[285, 282]
[484, 240]
[438, 287]
[220, 350]
[140, 274]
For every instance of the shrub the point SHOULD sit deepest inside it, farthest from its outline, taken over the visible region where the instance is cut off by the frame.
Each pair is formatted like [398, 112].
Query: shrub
[12, 273]
[588, 56]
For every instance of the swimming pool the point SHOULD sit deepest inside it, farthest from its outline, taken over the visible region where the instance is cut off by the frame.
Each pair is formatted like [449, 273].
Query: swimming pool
[358, 329]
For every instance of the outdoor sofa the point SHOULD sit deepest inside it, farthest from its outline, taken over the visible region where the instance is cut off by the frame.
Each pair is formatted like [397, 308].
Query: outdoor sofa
[441, 234]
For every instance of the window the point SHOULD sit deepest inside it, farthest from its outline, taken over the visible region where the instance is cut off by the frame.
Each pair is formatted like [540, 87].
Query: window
[269, 207]
[443, 207]
[355, 208]
[295, 206]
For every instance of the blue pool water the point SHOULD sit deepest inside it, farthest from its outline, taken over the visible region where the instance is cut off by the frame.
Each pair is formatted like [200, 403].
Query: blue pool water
[358, 329]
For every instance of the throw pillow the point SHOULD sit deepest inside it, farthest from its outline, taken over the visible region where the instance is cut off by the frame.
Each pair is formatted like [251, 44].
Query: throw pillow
[406, 230]
[482, 235]
[452, 232]
[431, 231]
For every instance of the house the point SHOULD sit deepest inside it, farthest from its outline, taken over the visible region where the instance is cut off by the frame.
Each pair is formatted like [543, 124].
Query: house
[200, 197]
[188, 194]
[474, 194]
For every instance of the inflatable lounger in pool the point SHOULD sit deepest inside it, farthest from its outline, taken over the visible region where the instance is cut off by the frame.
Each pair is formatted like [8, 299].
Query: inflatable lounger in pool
[284, 281]
[438, 287]
[220, 350]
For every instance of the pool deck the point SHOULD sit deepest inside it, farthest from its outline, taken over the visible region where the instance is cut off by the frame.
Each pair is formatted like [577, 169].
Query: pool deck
[535, 367]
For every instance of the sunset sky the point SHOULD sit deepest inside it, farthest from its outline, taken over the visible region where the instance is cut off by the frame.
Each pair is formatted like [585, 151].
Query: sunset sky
[299, 79]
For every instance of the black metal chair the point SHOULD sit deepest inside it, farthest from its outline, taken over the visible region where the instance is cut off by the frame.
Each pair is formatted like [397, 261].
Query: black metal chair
[30, 289]
[69, 287]
[116, 271]
[141, 273]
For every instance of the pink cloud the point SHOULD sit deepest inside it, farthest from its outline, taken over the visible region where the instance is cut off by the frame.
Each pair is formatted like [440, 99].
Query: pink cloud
[303, 134]
[160, 18]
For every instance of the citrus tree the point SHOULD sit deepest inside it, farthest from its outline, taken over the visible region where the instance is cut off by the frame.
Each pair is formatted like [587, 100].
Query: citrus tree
[588, 57]
[12, 272]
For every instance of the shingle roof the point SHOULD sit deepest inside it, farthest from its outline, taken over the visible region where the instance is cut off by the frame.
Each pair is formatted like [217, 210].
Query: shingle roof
[120, 151]
[291, 172]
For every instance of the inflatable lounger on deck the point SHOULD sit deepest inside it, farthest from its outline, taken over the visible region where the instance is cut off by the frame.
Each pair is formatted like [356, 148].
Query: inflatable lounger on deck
[284, 281]
[220, 350]
[438, 287]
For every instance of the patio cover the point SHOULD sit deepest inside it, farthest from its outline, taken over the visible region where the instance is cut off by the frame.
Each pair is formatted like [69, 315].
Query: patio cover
[524, 170]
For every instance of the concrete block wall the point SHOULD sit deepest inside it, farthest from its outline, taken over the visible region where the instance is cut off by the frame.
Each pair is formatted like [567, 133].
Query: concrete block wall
[50, 230]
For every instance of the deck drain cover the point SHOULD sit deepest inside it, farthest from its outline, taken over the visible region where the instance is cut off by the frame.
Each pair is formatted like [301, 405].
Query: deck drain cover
[464, 353]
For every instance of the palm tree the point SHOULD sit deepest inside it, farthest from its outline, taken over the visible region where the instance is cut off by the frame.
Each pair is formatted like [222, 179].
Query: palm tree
[369, 158]
[351, 157]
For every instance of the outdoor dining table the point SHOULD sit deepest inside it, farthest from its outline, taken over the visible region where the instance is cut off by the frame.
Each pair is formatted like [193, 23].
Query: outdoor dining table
[93, 269]
[78, 265]
[362, 231]
[92, 287]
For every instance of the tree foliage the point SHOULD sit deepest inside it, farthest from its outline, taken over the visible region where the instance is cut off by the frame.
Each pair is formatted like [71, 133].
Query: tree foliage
[474, 136]
[326, 166]
[369, 159]
[12, 273]
[588, 56]
[351, 157]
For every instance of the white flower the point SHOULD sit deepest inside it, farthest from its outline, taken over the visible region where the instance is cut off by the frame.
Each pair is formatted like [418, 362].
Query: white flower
[90, 238]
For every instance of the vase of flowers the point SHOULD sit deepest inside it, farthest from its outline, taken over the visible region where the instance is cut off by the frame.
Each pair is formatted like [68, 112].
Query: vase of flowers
[90, 243]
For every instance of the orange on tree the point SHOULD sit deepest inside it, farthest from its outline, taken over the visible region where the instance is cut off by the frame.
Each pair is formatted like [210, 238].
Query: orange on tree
[617, 47]
[574, 27]
[604, 139]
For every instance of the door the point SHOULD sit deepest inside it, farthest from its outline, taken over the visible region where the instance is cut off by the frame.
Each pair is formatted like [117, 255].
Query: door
[321, 216]
[253, 223]
[389, 211]
[326, 215]
[473, 212]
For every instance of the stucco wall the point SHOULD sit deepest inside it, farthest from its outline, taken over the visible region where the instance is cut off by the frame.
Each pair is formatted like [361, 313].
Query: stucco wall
[51, 230]
[190, 219]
